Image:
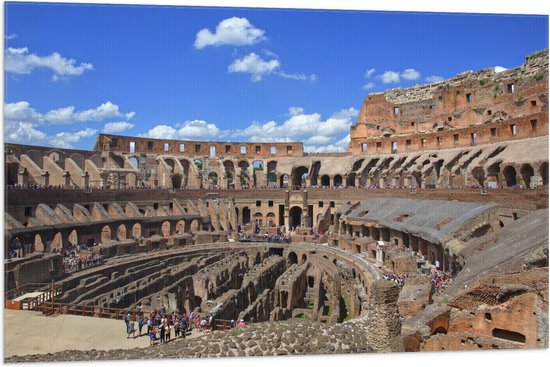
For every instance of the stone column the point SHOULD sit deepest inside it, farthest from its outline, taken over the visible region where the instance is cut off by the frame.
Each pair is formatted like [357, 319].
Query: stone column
[46, 178]
[23, 177]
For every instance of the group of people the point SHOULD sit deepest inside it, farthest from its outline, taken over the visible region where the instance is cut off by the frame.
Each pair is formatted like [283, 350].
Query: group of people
[78, 257]
[396, 278]
[440, 280]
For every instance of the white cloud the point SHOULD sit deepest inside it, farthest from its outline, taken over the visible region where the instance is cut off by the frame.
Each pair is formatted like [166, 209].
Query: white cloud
[254, 65]
[20, 61]
[67, 115]
[410, 74]
[500, 69]
[23, 124]
[292, 111]
[65, 139]
[21, 111]
[369, 85]
[117, 127]
[369, 73]
[189, 130]
[295, 76]
[434, 78]
[390, 77]
[232, 31]
[10, 36]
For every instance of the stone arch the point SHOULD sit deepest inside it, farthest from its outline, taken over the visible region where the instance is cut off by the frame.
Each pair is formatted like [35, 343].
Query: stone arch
[271, 173]
[479, 174]
[315, 168]
[213, 178]
[73, 237]
[177, 180]
[509, 173]
[136, 231]
[229, 168]
[270, 219]
[121, 232]
[105, 234]
[180, 227]
[54, 156]
[292, 258]
[375, 234]
[338, 181]
[194, 226]
[185, 164]
[165, 228]
[134, 162]
[170, 162]
[325, 180]
[131, 179]
[527, 172]
[246, 215]
[259, 219]
[295, 216]
[299, 176]
[38, 244]
[543, 171]
[243, 174]
[284, 181]
[57, 242]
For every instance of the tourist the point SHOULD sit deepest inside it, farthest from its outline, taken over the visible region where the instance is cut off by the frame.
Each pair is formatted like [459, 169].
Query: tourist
[168, 329]
[241, 323]
[149, 324]
[184, 326]
[131, 329]
[140, 324]
[152, 336]
[162, 331]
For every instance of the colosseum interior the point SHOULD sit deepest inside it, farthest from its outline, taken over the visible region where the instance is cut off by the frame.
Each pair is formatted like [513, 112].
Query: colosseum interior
[449, 178]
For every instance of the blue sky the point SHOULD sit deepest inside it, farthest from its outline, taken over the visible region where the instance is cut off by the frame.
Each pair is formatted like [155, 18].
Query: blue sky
[231, 74]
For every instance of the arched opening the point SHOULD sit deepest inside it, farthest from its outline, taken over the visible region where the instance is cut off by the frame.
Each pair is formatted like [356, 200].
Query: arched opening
[121, 232]
[481, 231]
[136, 231]
[38, 244]
[337, 180]
[440, 330]
[57, 242]
[479, 175]
[295, 217]
[73, 238]
[385, 233]
[284, 181]
[180, 227]
[194, 226]
[229, 173]
[246, 215]
[257, 169]
[105, 234]
[509, 173]
[375, 234]
[177, 181]
[272, 174]
[259, 219]
[304, 258]
[292, 258]
[243, 174]
[170, 162]
[299, 177]
[270, 218]
[526, 173]
[325, 180]
[213, 179]
[165, 228]
[185, 179]
[54, 157]
[134, 162]
[543, 171]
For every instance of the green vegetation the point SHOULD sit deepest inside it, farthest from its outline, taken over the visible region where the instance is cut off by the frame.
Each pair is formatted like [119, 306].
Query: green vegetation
[482, 82]
[538, 77]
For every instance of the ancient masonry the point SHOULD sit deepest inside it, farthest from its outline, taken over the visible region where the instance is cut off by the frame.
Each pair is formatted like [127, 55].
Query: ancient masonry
[451, 175]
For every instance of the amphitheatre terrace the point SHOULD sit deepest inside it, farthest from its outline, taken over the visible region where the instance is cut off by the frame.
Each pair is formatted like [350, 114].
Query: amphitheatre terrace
[443, 181]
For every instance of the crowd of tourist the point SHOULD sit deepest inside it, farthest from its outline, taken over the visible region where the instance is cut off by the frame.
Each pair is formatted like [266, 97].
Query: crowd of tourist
[396, 278]
[78, 257]
[440, 281]
[161, 324]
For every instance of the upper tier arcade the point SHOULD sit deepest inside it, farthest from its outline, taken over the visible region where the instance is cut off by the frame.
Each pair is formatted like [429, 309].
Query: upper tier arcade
[469, 109]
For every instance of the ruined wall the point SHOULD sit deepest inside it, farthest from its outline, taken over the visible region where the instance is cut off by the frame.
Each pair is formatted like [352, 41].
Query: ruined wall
[469, 109]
